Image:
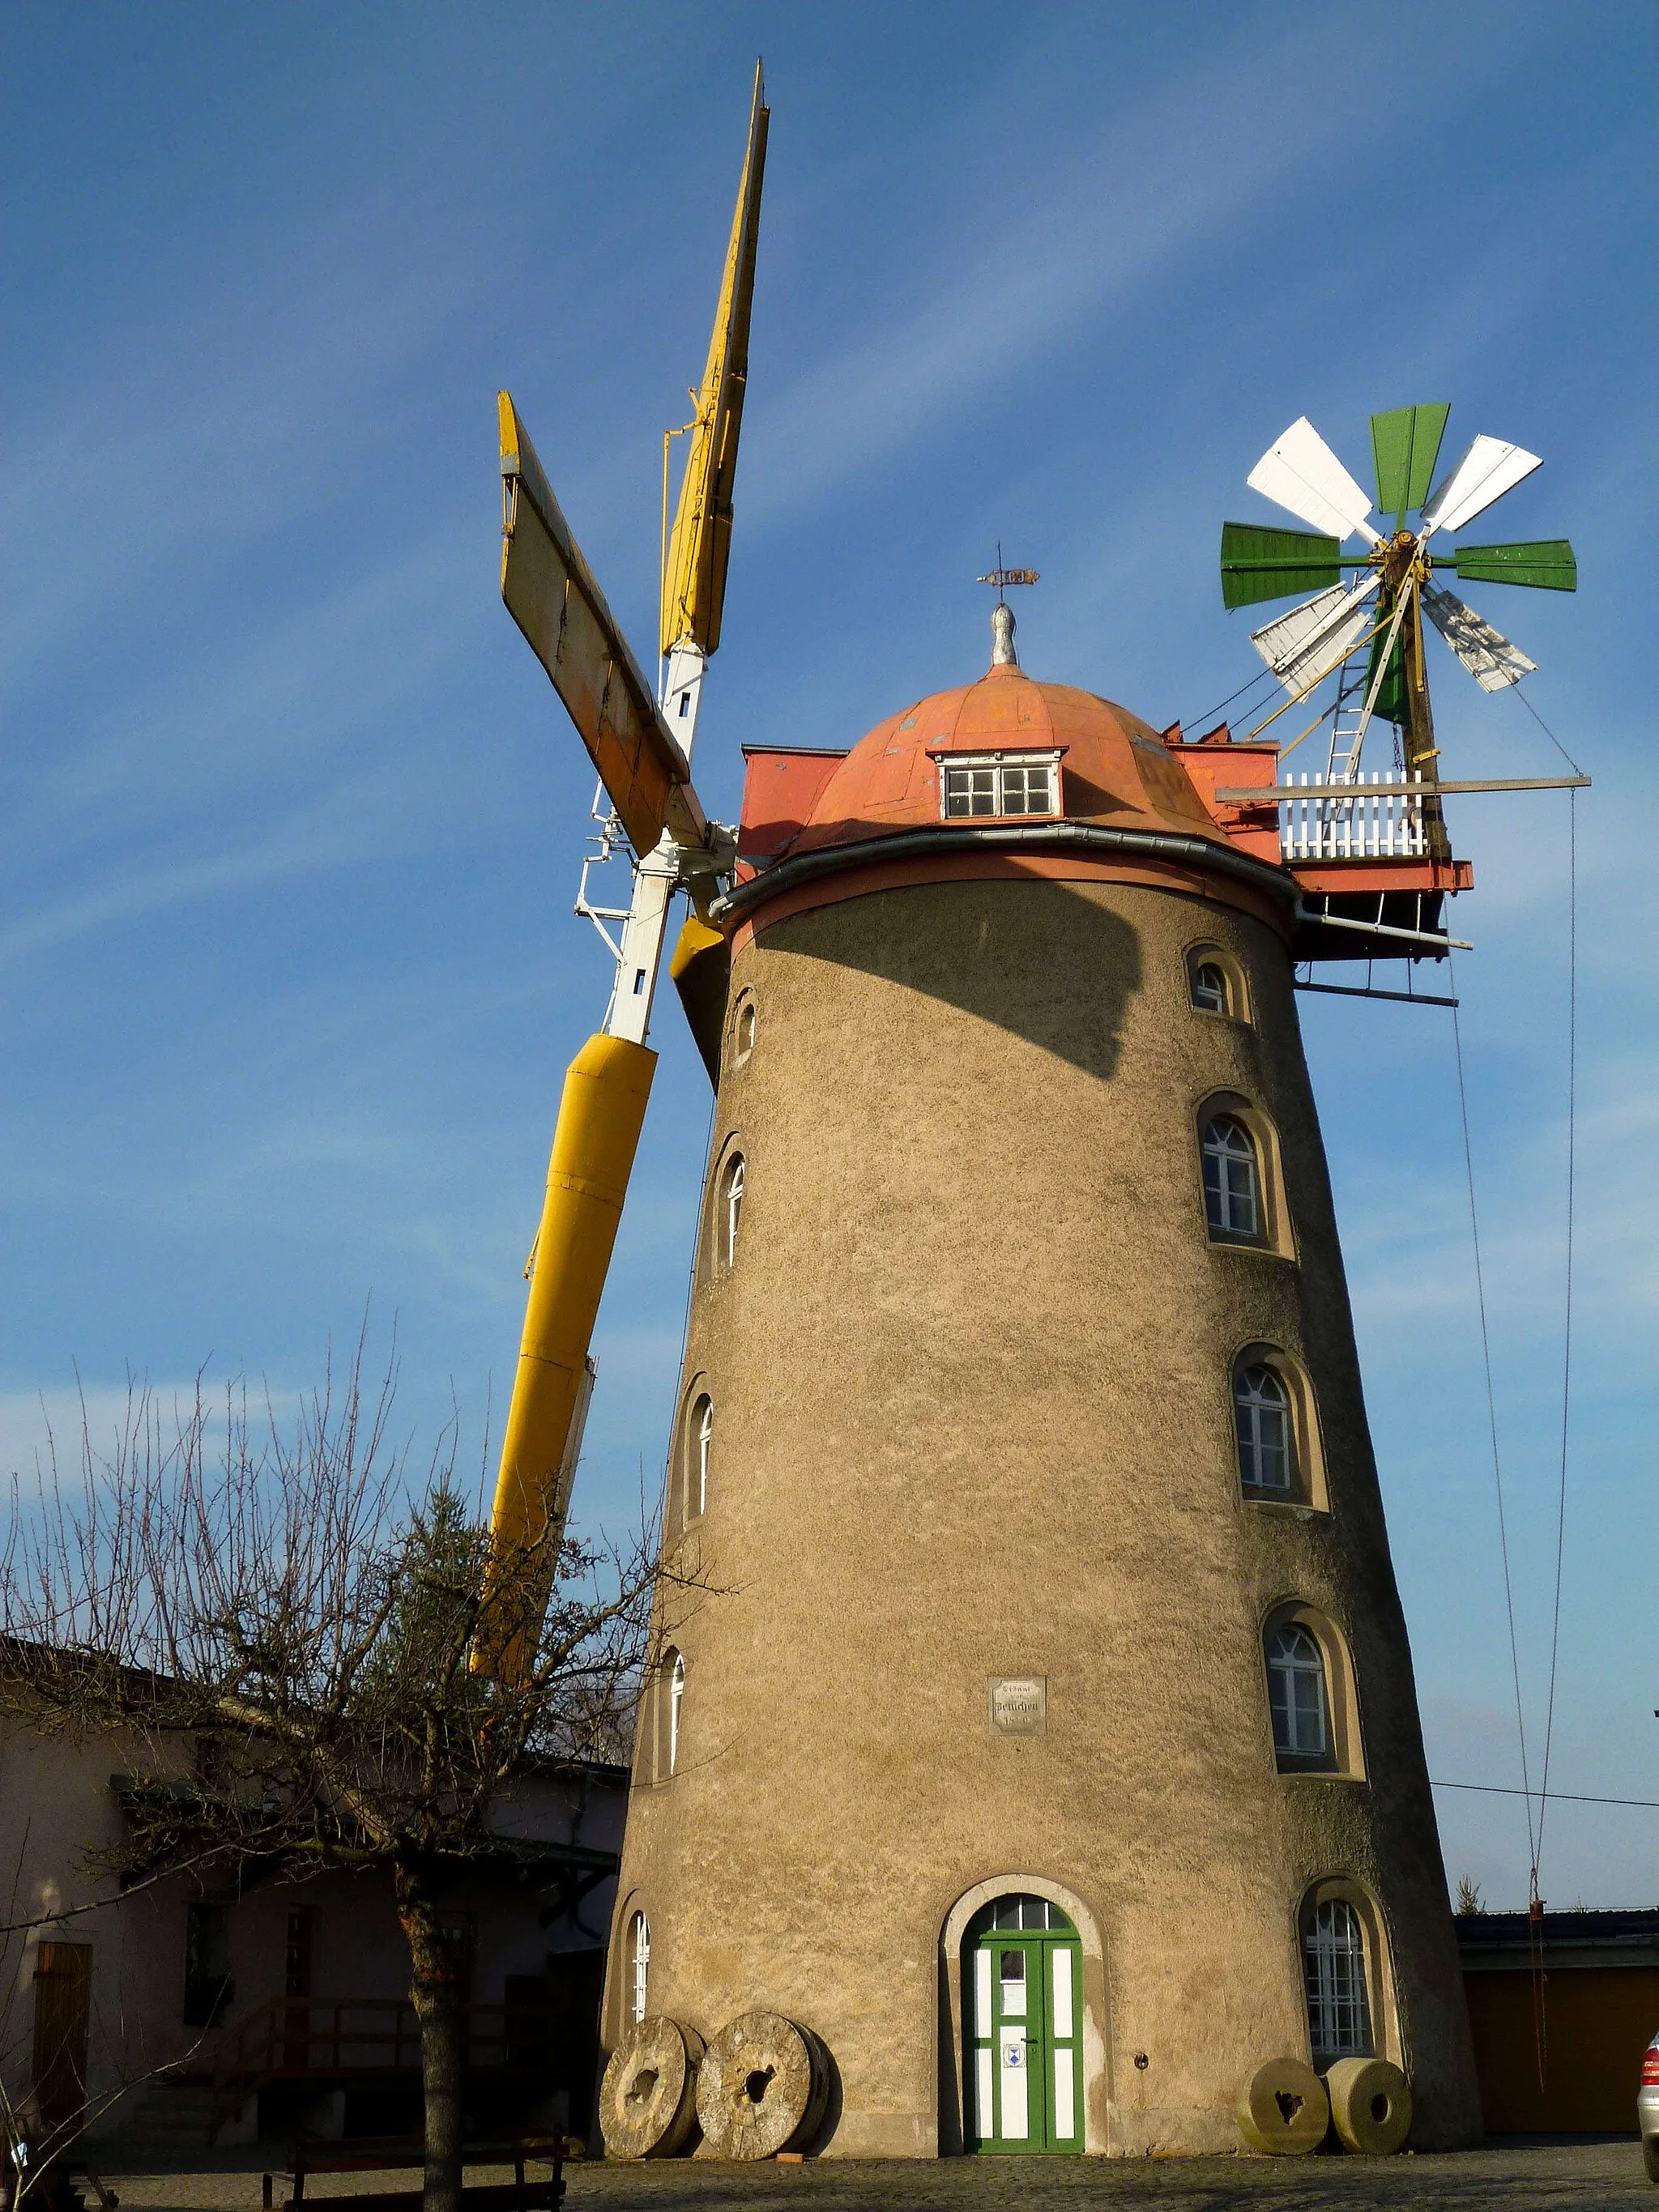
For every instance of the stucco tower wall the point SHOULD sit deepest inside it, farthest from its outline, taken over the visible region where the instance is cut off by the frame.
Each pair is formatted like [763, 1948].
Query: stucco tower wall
[971, 1376]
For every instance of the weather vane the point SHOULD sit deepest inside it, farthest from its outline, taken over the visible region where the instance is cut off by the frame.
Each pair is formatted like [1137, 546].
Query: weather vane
[1003, 655]
[1002, 577]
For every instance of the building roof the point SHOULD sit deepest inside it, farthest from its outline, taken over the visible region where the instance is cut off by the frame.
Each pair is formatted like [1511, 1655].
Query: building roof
[1117, 769]
[1135, 804]
[1583, 1937]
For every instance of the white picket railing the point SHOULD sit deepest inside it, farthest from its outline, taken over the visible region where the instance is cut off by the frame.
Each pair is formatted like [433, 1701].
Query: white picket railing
[1372, 825]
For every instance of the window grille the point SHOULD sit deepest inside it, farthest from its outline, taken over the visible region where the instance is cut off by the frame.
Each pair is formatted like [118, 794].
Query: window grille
[1333, 1961]
[1030, 1913]
[638, 1963]
[1261, 1407]
[1295, 1693]
[1209, 988]
[999, 787]
[1233, 1197]
[734, 1183]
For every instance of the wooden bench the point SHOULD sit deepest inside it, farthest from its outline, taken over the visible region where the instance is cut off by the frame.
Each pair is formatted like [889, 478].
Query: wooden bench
[314, 2156]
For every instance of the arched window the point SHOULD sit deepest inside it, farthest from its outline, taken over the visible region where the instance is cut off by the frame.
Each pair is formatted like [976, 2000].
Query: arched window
[1297, 1692]
[676, 1699]
[1266, 1442]
[1232, 1180]
[745, 1038]
[1334, 1967]
[1208, 981]
[638, 1965]
[731, 1209]
[702, 1438]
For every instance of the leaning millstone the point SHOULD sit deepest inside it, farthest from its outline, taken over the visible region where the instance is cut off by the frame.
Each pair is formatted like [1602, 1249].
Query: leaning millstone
[1283, 2109]
[648, 2099]
[1371, 2105]
[764, 2086]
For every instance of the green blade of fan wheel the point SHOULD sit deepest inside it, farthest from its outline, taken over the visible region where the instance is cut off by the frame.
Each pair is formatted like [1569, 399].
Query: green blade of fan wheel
[1270, 564]
[1390, 704]
[1405, 445]
[1548, 564]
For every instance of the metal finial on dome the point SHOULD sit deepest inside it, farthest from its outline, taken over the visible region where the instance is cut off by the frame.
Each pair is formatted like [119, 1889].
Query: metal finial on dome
[1002, 615]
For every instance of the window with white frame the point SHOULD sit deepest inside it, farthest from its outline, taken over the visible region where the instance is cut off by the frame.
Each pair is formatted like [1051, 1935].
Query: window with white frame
[1232, 1180]
[1334, 1966]
[1297, 1692]
[638, 1965]
[1267, 1443]
[676, 1699]
[1000, 784]
[1209, 986]
[701, 1439]
[732, 1207]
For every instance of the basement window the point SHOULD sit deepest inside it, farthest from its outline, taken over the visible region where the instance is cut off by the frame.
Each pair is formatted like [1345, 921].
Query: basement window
[1001, 785]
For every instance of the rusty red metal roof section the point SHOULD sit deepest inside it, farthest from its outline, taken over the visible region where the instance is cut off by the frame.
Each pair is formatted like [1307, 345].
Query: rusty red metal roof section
[873, 818]
[1115, 768]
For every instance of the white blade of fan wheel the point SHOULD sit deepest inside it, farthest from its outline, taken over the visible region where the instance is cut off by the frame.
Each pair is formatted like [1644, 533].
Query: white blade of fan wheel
[1303, 646]
[1300, 471]
[1494, 662]
[1489, 469]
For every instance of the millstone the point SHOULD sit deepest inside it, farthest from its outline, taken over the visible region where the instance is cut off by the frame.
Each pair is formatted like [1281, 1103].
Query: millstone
[1371, 2105]
[762, 2087]
[1283, 2109]
[648, 2099]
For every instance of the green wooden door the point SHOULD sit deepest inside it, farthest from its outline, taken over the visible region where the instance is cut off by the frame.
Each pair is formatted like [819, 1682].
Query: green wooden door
[1024, 2028]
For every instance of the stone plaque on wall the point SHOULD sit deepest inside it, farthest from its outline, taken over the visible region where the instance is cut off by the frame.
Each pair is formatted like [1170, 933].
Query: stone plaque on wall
[1019, 1704]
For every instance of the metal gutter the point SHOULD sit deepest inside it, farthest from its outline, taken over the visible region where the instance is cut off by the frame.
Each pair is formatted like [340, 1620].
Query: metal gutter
[785, 876]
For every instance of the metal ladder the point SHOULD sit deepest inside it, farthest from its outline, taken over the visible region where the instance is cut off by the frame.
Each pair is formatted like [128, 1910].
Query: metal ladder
[1344, 764]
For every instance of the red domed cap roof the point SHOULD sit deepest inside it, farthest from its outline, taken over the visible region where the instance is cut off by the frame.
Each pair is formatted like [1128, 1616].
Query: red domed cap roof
[1114, 768]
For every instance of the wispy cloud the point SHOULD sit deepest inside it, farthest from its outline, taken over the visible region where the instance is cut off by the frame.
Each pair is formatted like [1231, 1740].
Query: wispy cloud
[1021, 271]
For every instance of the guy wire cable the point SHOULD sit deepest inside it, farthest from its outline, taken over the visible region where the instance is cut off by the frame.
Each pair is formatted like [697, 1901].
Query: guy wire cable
[1535, 1909]
[1572, 1156]
[1265, 676]
[1491, 1419]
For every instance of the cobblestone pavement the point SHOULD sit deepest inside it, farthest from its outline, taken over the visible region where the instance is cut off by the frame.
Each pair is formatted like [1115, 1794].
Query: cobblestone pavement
[1590, 2176]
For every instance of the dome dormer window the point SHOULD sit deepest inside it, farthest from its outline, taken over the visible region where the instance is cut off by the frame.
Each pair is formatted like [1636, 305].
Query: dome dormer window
[986, 786]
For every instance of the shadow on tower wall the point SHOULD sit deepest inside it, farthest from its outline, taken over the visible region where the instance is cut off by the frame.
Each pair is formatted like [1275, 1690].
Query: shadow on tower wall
[1057, 971]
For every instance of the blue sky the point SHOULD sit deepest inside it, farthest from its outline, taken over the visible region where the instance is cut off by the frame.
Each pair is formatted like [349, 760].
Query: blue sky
[292, 820]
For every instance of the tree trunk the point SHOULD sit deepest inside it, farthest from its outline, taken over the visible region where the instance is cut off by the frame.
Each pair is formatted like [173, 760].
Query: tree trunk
[436, 1994]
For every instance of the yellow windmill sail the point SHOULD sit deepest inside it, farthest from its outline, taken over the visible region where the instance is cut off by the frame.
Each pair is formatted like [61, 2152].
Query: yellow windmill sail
[644, 765]
[694, 580]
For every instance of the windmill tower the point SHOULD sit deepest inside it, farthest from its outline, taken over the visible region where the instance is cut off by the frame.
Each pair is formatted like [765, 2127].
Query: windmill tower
[1058, 1724]
[1040, 1769]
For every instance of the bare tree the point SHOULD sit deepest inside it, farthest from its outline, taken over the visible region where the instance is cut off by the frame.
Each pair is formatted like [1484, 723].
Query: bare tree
[286, 1626]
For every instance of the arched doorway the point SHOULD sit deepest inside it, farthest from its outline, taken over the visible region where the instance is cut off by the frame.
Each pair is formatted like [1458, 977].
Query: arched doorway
[1021, 1987]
